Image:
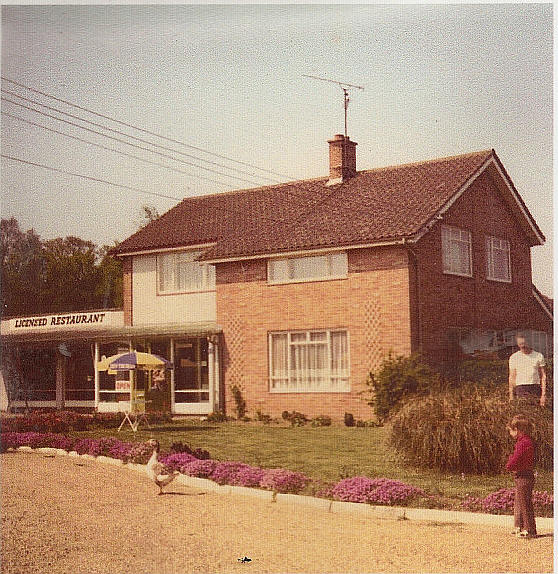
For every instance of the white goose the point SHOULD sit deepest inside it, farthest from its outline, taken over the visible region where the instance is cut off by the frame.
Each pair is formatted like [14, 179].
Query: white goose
[160, 474]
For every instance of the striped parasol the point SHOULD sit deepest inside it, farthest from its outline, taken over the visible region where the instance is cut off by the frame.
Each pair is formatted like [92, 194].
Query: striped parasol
[133, 361]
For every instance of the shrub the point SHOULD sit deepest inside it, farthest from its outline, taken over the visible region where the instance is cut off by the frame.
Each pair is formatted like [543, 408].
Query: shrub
[239, 402]
[374, 491]
[106, 420]
[485, 372]
[501, 502]
[183, 447]
[217, 417]
[397, 379]
[349, 420]
[465, 431]
[295, 418]
[263, 418]
[321, 421]
[282, 480]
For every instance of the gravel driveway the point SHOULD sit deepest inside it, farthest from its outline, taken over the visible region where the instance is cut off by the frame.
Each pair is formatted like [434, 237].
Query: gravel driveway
[69, 515]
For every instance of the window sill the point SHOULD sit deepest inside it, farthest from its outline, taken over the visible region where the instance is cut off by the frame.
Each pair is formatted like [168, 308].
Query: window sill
[312, 280]
[499, 280]
[469, 276]
[167, 293]
[309, 391]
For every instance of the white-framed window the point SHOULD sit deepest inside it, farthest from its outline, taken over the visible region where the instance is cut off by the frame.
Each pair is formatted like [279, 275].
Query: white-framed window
[311, 268]
[498, 259]
[179, 272]
[456, 251]
[309, 361]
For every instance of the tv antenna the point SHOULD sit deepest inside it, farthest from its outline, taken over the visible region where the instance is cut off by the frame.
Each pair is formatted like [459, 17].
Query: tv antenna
[344, 86]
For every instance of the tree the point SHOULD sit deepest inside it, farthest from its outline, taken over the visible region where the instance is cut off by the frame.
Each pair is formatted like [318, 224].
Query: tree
[71, 274]
[109, 286]
[23, 269]
[62, 274]
[149, 214]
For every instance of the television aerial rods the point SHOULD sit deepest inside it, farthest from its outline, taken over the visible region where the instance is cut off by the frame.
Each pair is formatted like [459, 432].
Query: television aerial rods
[344, 86]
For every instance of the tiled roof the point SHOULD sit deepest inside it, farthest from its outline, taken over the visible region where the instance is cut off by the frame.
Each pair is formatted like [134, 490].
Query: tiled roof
[375, 205]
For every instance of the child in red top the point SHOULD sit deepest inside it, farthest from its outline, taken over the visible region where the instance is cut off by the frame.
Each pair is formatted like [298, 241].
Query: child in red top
[522, 462]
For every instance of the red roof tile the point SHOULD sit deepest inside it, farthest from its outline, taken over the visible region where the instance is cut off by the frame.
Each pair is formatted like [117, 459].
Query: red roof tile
[375, 205]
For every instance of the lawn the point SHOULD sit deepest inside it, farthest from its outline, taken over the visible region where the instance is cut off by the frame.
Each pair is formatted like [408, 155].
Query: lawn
[323, 453]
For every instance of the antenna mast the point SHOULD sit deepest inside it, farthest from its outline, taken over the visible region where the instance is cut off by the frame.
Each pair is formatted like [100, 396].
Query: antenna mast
[344, 86]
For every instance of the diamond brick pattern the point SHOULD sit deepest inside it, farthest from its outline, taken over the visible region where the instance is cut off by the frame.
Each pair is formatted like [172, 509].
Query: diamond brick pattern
[372, 317]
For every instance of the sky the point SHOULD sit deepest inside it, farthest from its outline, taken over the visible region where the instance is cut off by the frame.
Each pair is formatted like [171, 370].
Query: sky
[439, 80]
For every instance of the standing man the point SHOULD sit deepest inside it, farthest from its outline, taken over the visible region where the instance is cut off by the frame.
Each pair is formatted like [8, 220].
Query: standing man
[527, 376]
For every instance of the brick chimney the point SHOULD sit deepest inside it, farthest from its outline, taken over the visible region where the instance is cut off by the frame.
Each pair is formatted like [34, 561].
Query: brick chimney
[342, 159]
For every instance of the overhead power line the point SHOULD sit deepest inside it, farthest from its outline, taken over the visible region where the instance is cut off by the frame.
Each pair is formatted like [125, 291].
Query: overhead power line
[96, 179]
[227, 211]
[129, 143]
[131, 136]
[146, 131]
[114, 150]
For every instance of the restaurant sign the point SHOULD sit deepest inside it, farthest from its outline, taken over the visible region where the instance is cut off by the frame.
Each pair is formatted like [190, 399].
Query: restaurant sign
[64, 321]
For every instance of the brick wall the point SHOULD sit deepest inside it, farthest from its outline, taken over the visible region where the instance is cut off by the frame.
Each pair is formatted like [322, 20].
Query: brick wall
[372, 304]
[449, 301]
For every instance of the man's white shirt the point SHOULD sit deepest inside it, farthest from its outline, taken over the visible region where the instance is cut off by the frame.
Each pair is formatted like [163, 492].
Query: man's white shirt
[527, 367]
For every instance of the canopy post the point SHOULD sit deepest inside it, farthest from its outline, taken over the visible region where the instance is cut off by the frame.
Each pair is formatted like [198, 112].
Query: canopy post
[97, 376]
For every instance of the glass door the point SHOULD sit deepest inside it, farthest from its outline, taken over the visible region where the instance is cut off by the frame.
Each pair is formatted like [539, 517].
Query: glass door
[191, 376]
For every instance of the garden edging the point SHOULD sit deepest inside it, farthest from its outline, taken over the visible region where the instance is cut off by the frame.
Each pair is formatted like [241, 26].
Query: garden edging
[333, 506]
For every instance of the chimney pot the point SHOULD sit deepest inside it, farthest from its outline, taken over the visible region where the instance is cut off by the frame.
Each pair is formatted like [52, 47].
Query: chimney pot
[342, 159]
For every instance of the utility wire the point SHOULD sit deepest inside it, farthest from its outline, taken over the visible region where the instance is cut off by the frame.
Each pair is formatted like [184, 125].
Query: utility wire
[147, 131]
[96, 179]
[114, 150]
[129, 143]
[228, 212]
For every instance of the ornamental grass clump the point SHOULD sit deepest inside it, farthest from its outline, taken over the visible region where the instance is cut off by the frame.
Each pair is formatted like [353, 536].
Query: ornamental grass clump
[382, 491]
[283, 481]
[502, 502]
[464, 431]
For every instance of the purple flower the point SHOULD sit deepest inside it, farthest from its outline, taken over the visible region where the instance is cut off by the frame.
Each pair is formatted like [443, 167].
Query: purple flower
[374, 491]
[282, 480]
[199, 468]
[225, 472]
[502, 501]
[177, 460]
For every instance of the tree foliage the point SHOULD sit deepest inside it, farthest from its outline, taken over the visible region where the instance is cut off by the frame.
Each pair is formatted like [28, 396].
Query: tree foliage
[396, 379]
[62, 274]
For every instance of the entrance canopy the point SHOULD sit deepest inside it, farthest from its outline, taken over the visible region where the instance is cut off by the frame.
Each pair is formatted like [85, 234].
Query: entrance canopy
[101, 325]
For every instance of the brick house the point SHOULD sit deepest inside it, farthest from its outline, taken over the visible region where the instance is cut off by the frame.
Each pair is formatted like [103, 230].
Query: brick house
[294, 292]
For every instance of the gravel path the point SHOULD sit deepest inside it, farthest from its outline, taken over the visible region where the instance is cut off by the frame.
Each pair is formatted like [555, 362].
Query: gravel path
[69, 515]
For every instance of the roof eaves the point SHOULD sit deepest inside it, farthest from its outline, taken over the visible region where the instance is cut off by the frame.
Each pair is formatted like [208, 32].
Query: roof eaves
[540, 299]
[209, 258]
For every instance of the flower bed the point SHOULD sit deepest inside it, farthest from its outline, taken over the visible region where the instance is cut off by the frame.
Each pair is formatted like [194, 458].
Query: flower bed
[501, 502]
[375, 491]
[64, 421]
[380, 491]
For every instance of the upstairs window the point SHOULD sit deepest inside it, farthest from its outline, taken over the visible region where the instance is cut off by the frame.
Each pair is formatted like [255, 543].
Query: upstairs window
[456, 251]
[498, 259]
[179, 272]
[313, 268]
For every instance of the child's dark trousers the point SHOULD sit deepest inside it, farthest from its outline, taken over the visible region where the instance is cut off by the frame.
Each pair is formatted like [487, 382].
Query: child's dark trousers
[523, 512]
